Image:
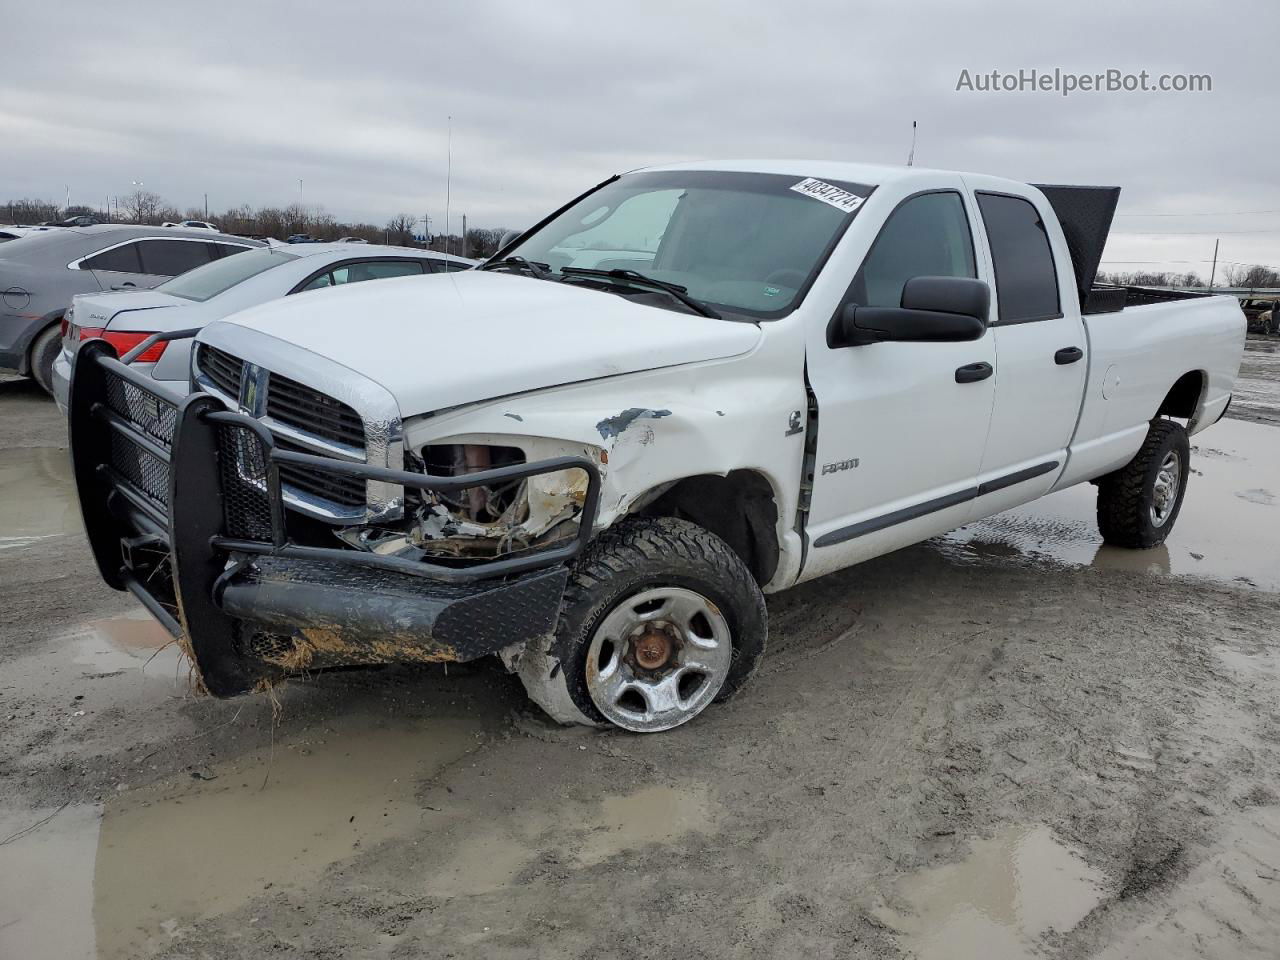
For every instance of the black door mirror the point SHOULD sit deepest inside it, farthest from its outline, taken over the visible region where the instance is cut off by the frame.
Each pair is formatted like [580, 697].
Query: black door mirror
[936, 309]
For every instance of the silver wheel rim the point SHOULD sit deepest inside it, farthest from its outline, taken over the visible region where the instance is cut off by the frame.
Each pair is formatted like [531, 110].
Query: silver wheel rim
[1165, 495]
[625, 681]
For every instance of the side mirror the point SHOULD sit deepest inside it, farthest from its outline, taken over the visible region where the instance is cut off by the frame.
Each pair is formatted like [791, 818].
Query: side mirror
[933, 309]
[507, 238]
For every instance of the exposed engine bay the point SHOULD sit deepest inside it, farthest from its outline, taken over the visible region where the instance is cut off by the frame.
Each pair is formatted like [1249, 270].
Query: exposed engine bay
[481, 522]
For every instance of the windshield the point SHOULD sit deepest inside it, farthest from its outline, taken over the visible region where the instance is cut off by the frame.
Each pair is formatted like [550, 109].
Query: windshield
[746, 242]
[213, 278]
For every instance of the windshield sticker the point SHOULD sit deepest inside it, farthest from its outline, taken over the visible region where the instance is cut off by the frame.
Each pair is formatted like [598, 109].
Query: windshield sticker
[840, 199]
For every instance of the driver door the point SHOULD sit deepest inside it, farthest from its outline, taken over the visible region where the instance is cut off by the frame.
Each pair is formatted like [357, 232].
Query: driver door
[901, 430]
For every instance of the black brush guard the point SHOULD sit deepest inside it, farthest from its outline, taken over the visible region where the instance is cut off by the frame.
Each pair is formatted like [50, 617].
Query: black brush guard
[183, 507]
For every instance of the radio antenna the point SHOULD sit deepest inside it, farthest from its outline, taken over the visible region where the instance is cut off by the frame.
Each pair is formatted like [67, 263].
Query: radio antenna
[911, 157]
[448, 183]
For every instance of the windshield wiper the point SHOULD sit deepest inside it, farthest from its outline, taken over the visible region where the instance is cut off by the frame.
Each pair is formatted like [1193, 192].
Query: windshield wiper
[633, 276]
[536, 270]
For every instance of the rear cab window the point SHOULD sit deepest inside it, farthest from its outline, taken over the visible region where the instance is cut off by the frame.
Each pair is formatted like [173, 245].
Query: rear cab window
[1025, 273]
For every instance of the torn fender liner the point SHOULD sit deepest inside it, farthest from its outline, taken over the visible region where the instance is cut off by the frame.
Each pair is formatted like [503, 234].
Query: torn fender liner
[357, 616]
[613, 426]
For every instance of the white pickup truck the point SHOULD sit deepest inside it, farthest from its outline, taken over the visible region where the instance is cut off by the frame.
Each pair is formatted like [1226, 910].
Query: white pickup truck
[593, 456]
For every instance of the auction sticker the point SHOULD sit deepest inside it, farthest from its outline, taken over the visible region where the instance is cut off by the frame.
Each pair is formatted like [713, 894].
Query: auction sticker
[820, 190]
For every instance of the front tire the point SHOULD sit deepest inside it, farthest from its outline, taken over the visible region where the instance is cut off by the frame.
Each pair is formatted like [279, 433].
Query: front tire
[44, 350]
[1139, 503]
[660, 618]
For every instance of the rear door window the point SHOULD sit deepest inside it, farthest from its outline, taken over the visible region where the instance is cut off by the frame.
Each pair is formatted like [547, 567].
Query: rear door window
[168, 258]
[122, 259]
[1026, 278]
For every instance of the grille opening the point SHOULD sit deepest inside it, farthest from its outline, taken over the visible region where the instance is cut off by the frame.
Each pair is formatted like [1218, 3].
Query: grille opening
[313, 412]
[222, 369]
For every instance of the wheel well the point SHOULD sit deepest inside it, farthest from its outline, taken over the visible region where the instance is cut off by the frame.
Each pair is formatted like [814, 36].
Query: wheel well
[53, 320]
[739, 508]
[1184, 396]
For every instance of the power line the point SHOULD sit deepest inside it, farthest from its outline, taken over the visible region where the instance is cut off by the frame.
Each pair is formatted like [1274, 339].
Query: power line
[1157, 263]
[1190, 233]
[1225, 213]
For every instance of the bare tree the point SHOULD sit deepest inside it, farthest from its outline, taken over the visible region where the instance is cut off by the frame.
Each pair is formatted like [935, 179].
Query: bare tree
[1252, 277]
[142, 206]
[400, 229]
[30, 211]
[483, 242]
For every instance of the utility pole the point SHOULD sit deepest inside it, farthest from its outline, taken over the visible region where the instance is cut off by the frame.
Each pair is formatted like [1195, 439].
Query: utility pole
[301, 199]
[1214, 269]
[206, 206]
[464, 234]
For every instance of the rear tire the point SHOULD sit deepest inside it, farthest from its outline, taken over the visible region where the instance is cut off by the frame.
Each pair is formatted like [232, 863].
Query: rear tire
[44, 350]
[1139, 503]
[660, 618]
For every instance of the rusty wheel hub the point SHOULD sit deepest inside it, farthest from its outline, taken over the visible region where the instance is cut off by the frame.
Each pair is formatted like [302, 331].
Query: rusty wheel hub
[652, 648]
[658, 658]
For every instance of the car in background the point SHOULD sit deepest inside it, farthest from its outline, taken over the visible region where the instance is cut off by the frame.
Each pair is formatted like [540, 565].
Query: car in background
[41, 272]
[220, 289]
[1262, 314]
[300, 238]
[14, 233]
[82, 220]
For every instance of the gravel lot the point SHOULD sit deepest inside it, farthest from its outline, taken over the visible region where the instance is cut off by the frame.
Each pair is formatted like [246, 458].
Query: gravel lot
[1007, 742]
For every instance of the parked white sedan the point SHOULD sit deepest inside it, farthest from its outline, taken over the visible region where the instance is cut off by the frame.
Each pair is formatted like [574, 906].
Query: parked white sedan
[220, 289]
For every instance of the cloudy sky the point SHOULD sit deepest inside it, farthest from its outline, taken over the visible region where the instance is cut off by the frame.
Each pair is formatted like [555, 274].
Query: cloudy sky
[243, 99]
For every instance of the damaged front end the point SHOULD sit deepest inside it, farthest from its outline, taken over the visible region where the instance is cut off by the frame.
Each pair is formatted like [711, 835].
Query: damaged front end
[184, 505]
[486, 520]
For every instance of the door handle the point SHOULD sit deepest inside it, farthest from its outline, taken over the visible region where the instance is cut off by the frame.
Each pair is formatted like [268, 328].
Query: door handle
[1067, 355]
[127, 285]
[973, 372]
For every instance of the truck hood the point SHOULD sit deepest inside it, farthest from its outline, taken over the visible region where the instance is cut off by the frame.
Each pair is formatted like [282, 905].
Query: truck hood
[452, 339]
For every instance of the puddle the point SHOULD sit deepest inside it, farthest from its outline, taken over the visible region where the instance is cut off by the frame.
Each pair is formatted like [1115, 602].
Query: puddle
[1227, 531]
[37, 496]
[46, 883]
[130, 642]
[189, 848]
[998, 901]
[494, 857]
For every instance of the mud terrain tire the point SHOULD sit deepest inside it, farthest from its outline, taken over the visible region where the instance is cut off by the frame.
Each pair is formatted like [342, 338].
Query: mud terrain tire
[635, 557]
[1135, 508]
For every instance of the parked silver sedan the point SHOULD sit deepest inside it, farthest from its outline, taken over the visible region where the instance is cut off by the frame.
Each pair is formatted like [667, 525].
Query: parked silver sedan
[41, 272]
[222, 288]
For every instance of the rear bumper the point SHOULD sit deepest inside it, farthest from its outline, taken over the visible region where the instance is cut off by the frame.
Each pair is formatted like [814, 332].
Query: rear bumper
[182, 506]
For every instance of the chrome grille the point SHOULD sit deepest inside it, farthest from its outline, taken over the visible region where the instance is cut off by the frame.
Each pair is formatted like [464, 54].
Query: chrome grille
[301, 419]
[309, 410]
[222, 369]
[345, 491]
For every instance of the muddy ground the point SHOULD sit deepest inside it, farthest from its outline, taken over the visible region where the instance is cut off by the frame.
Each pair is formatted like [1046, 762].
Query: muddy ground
[1007, 742]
